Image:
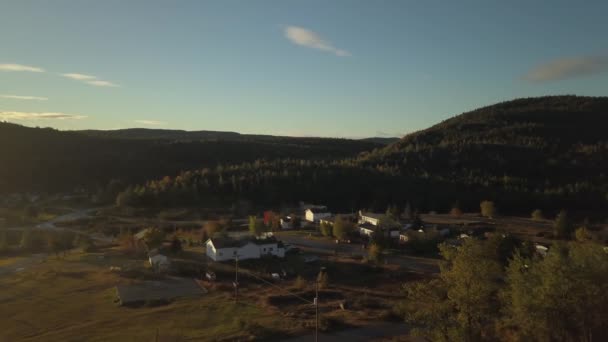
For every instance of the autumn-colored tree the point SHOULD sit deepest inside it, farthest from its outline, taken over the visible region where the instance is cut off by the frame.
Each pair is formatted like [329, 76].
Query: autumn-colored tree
[299, 283]
[342, 228]
[212, 227]
[456, 212]
[326, 228]
[323, 279]
[374, 252]
[487, 209]
[256, 226]
[537, 215]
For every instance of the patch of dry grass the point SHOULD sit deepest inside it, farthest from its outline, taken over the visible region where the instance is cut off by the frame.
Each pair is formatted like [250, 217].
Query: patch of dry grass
[71, 300]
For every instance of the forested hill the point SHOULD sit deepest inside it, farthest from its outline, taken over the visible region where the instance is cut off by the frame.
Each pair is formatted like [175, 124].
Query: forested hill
[43, 159]
[556, 145]
[547, 153]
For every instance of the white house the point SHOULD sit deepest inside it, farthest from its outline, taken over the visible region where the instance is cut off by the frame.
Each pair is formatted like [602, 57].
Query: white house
[371, 218]
[159, 262]
[222, 249]
[367, 229]
[315, 215]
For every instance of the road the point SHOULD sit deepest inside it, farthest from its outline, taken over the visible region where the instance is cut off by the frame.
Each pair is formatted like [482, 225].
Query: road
[416, 264]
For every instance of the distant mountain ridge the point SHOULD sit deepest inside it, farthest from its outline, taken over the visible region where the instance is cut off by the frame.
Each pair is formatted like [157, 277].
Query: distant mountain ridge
[45, 159]
[204, 135]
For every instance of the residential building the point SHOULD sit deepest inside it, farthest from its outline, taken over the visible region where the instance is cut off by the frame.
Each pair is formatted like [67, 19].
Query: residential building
[371, 218]
[223, 249]
[315, 215]
[367, 229]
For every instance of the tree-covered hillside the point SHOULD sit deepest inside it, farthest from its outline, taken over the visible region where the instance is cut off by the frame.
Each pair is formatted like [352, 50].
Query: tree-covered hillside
[548, 153]
[554, 145]
[43, 159]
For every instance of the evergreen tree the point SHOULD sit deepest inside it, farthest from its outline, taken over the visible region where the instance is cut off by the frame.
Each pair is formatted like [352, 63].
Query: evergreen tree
[562, 227]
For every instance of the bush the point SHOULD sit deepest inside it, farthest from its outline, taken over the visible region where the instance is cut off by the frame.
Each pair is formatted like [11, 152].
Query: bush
[299, 283]
[487, 209]
[537, 215]
[456, 212]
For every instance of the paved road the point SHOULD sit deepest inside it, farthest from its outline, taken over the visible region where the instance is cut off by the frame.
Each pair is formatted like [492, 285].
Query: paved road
[416, 264]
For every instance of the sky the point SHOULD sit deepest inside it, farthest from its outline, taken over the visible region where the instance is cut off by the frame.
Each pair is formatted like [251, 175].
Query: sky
[335, 68]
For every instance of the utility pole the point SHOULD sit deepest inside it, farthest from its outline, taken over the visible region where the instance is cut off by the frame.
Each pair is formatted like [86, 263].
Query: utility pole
[317, 310]
[236, 280]
[317, 304]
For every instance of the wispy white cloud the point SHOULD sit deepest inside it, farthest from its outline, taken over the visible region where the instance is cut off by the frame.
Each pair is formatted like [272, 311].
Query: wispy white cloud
[99, 83]
[23, 97]
[567, 68]
[19, 67]
[305, 37]
[150, 122]
[89, 79]
[79, 77]
[10, 115]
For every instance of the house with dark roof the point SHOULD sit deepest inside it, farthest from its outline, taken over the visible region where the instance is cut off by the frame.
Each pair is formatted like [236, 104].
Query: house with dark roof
[223, 249]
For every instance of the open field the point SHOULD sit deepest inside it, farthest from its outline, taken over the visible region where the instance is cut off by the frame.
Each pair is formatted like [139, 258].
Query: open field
[72, 299]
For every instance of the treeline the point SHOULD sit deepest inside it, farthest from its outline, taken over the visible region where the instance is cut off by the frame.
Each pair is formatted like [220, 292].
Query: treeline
[47, 160]
[343, 185]
[498, 290]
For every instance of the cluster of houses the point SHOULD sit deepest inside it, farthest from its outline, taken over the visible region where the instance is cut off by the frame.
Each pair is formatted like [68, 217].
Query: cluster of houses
[368, 223]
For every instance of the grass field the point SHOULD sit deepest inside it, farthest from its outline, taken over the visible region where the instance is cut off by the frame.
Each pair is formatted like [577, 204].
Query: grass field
[72, 299]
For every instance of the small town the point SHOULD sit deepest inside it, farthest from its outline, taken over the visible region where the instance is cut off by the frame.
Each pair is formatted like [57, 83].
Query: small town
[335, 273]
[321, 170]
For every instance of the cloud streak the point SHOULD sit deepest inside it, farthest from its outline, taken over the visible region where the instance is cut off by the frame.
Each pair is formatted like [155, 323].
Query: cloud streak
[89, 79]
[568, 68]
[307, 38]
[9, 115]
[23, 97]
[79, 77]
[150, 122]
[100, 83]
[19, 67]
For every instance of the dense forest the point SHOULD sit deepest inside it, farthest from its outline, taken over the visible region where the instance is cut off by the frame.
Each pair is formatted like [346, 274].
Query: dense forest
[48, 160]
[548, 153]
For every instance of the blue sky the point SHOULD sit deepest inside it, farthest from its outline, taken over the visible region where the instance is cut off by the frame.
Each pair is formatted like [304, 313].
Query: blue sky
[343, 68]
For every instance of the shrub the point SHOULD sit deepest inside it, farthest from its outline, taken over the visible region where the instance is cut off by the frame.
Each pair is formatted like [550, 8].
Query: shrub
[487, 209]
[537, 215]
[299, 283]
